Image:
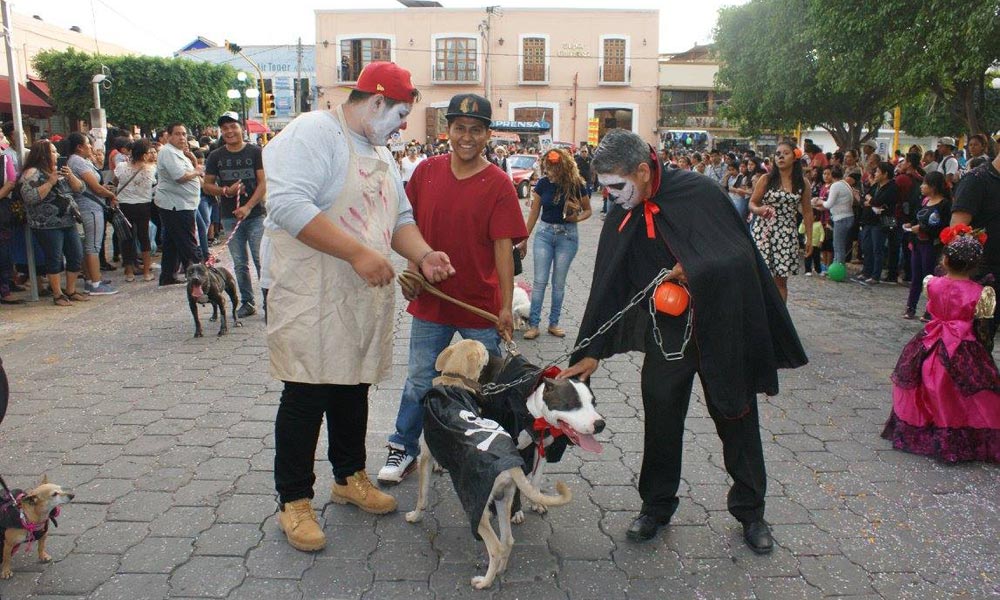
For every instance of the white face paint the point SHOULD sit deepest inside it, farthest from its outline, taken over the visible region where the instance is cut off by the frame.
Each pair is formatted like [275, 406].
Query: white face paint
[620, 190]
[387, 122]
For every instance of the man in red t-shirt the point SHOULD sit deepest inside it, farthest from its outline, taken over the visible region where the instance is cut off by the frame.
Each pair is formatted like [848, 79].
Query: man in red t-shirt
[466, 207]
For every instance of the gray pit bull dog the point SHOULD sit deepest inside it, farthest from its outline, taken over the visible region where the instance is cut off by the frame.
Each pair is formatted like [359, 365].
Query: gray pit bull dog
[206, 285]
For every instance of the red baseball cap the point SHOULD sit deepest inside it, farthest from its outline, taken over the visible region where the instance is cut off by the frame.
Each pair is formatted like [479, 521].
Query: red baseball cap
[388, 79]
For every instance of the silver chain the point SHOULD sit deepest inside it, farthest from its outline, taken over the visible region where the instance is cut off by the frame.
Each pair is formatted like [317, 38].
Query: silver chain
[490, 389]
[658, 337]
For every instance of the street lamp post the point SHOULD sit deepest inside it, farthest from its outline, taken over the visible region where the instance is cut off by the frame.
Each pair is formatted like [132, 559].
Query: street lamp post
[242, 92]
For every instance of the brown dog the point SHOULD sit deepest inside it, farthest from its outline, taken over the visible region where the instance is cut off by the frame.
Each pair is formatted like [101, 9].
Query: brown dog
[25, 520]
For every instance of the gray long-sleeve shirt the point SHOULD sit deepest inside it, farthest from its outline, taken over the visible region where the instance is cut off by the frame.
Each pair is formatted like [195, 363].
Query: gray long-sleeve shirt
[305, 168]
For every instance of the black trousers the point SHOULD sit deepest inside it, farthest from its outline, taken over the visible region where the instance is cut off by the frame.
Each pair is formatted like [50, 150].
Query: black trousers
[666, 392]
[296, 433]
[180, 242]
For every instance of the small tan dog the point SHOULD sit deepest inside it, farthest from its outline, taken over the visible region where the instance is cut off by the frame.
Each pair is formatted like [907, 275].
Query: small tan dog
[480, 456]
[24, 519]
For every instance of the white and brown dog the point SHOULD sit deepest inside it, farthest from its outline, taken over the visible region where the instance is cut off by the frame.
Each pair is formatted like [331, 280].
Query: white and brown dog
[24, 519]
[480, 456]
[543, 413]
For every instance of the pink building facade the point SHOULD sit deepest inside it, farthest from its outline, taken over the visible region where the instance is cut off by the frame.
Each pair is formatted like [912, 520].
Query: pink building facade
[546, 71]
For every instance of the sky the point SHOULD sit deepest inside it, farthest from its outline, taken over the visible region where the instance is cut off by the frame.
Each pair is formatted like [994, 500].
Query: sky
[160, 28]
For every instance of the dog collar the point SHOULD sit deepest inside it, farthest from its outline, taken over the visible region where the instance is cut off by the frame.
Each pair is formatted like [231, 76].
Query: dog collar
[472, 383]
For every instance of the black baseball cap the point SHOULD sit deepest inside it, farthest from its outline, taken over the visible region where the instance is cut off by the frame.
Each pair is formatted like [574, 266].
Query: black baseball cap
[470, 105]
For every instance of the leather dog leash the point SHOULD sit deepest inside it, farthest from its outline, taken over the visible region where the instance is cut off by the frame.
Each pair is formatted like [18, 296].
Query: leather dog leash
[412, 282]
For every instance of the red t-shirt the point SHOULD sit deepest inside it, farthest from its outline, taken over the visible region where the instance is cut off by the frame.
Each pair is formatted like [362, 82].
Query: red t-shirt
[463, 218]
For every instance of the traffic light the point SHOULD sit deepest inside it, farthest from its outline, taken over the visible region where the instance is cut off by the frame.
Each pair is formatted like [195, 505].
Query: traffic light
[234, 48]
[268, 108]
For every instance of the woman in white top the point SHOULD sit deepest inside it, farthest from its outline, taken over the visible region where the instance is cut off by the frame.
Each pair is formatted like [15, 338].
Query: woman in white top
[136, 179]
[840, 203]
[410, 162]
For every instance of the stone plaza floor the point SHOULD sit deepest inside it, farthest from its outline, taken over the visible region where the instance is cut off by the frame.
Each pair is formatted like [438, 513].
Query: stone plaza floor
[167, 442]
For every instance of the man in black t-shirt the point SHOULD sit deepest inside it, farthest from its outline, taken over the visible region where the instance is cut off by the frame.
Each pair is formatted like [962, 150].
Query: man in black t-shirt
[235, 173]
[977, 203]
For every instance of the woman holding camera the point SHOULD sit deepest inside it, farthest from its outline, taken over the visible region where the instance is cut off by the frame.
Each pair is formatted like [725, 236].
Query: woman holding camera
[52, 215]
[561, 199]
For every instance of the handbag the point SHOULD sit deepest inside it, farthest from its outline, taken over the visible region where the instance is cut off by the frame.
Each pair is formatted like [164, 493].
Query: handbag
[122, 227]
[887, 221]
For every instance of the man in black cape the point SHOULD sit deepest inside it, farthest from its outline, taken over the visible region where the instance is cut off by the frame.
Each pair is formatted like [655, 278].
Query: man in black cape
[683, 221]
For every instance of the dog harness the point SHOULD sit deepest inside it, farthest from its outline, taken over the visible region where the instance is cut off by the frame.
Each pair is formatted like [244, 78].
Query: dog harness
[12, 517]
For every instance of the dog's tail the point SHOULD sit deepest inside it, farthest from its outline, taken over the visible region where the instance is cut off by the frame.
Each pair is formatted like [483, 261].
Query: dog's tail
[532, 493]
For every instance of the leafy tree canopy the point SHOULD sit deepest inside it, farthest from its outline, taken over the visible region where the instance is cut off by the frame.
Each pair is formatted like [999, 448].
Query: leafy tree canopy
[145, 91]
[843, 65]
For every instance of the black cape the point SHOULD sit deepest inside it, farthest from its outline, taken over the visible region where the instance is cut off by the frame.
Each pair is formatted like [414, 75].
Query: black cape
[4, 391]
[473, 449]
[741, 326]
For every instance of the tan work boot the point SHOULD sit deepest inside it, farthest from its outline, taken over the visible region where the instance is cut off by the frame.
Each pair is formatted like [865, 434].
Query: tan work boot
[300, 525]
[361, 492]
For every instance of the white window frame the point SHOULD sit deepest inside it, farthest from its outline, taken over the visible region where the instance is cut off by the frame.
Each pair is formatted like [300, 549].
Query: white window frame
[628, 59]
[363, 36]
[593, 107]
[479, 58]
[520, 57]
[552, 106]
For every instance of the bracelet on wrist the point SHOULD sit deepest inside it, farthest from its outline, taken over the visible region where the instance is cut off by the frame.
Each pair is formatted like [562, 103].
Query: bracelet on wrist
[420, 263]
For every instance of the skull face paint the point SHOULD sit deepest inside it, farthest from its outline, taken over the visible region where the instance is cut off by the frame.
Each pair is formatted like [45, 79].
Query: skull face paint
[388, 121]
[621, 191]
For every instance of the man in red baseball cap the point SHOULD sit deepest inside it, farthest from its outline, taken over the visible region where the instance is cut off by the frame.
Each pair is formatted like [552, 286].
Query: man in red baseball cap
[389, 80]
[336, 211]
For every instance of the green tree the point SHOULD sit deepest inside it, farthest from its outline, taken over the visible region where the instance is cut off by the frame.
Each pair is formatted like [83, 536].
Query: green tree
[145, 91]
[927, 115]
[948, 53]
[785, 66]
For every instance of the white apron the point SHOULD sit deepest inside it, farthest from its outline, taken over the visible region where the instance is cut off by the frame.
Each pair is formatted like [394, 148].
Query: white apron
[324, 323]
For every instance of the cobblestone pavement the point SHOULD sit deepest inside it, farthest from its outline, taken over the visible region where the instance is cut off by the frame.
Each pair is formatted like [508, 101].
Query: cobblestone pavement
[167, 442]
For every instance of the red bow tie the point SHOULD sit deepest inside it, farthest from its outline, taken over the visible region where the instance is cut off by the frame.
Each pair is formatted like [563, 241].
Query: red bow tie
[648, 210]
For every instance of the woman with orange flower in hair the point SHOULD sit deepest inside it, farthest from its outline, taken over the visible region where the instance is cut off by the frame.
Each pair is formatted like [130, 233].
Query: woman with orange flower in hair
[946, 387]
[561, 201]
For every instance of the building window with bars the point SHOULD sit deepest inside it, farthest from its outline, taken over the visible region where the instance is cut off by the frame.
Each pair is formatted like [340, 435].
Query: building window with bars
[455, 59]
[356, 53]
[533, 60]
[614, 68]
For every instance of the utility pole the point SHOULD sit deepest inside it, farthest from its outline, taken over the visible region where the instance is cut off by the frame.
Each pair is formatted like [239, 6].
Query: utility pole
[298, 78]
[18, 141]
[484, 30]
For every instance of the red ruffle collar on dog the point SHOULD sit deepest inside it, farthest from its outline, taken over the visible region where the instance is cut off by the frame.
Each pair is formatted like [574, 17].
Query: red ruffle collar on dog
[542, 427]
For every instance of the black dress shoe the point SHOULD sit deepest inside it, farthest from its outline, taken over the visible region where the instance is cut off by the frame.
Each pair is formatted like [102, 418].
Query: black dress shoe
[644, 527]
[174, 281]
[757, 535]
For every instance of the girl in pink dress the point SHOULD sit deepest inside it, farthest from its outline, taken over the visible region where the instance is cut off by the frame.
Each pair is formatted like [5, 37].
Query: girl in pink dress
[946, 388]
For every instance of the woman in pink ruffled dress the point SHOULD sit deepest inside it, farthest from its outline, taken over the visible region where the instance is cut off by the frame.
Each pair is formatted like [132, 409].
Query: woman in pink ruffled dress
[946, 388]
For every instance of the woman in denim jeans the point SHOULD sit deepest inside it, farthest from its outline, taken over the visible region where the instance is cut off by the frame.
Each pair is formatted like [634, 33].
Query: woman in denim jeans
[52, 214]
[560, 198]
[881, 198]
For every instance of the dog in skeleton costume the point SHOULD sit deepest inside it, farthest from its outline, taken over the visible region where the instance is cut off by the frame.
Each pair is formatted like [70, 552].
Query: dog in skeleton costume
[480, 456]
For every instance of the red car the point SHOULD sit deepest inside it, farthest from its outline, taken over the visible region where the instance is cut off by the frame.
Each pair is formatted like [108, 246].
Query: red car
[524, 171]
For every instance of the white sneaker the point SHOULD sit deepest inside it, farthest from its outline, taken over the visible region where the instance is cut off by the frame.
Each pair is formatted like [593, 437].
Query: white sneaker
[809, 273]
[398, 465]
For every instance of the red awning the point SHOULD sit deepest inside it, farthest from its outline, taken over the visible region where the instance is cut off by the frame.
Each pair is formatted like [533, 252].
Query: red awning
[31, 105]
[41, 85]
